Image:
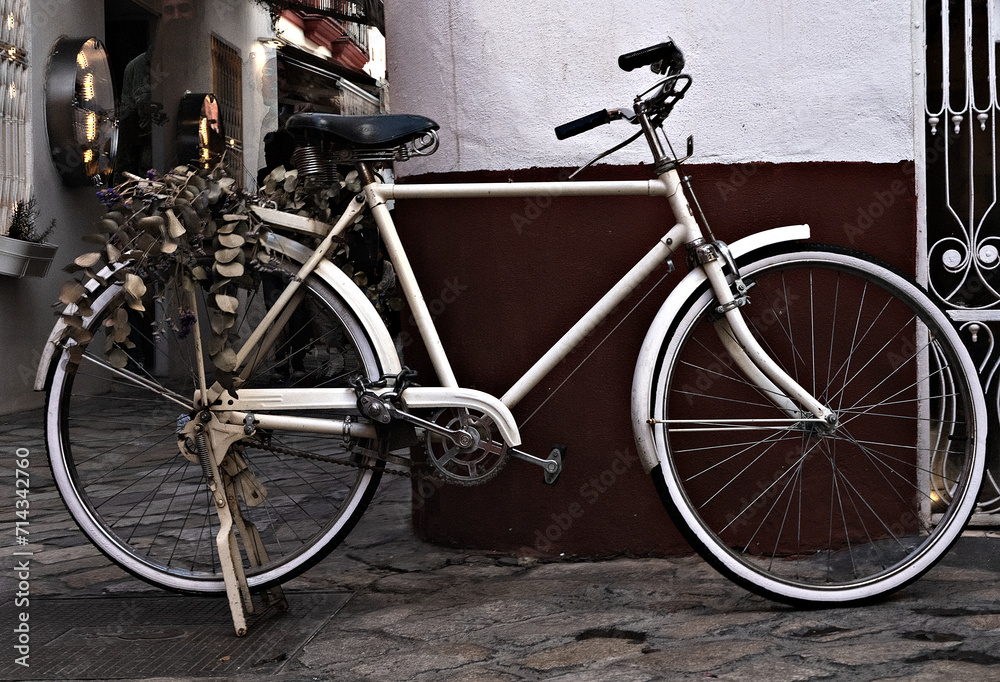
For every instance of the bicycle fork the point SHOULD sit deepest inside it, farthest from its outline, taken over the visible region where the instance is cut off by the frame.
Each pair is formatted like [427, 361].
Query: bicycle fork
[796, 402]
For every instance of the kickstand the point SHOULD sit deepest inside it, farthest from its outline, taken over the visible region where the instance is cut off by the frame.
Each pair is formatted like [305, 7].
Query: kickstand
[227, 506]
[256, 553]
[237, 590]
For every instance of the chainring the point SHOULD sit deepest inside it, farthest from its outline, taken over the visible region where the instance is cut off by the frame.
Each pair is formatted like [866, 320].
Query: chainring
[471, 465]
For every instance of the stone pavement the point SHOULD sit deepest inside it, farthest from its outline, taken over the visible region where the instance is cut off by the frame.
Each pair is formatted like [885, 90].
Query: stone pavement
[385, 606]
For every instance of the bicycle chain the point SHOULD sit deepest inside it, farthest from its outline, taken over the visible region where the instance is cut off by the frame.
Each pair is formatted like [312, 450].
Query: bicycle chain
[411, 474]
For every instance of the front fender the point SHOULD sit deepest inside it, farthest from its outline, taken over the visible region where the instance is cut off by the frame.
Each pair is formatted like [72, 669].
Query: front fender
[647, 365]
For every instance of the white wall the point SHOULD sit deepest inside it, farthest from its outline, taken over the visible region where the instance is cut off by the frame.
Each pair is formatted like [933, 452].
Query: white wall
[789, 80]
[185, 64]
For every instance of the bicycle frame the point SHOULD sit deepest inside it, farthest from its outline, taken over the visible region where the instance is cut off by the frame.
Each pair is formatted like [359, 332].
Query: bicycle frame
[746, 352]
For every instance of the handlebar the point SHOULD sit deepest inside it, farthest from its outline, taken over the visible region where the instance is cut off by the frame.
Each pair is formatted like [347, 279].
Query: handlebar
[583, 124]
[665, 58]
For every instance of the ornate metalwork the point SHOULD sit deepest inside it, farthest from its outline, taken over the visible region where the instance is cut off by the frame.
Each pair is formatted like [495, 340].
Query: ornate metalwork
[963, 218]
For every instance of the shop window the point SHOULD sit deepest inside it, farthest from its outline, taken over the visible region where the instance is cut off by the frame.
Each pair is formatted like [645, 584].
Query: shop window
[227, 85]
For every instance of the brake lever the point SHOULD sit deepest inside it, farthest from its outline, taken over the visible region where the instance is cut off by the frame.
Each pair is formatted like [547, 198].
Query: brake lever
[663, 93]
[626, 113]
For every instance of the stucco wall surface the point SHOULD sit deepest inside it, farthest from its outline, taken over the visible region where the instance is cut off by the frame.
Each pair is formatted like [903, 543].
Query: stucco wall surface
[184, 64]
[790, 80]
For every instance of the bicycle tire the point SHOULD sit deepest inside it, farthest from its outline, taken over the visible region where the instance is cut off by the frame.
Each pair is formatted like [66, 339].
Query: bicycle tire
[113, 449]
[796, 513]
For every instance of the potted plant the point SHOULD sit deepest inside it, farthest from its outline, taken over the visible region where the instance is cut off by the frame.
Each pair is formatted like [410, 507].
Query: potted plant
[23, 251]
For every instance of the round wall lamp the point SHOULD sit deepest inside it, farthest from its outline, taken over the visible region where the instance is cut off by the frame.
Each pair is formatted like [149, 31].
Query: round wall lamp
[80, 112]
[201, 139]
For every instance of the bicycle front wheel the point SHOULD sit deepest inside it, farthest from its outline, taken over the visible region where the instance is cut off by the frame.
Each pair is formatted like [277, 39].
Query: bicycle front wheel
[788, 508]
[112, 436]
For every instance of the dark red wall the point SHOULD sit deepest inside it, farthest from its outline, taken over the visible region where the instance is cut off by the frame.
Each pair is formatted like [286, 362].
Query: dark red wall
[506, 278]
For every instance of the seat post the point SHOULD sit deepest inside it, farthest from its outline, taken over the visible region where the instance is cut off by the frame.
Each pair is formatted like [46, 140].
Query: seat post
[366, 173]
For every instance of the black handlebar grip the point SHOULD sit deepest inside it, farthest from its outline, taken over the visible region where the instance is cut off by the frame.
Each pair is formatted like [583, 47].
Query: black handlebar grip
[582, 125]
[650, 55]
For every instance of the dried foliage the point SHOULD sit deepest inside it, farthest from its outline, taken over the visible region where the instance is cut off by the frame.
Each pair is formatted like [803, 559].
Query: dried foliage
[191, 231]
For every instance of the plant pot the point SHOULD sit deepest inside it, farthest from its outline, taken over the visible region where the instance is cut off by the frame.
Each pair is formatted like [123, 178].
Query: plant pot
[25, 259]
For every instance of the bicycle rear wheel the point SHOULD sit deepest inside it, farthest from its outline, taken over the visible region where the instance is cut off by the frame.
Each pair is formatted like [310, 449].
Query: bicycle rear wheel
[112, 441]
[788, 509]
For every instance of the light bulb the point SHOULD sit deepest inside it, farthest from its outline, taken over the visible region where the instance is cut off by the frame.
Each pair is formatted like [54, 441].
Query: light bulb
[81, 60]
[203, 131]
[88, 87]
[88, 156]
[91, 126]
[10, 21]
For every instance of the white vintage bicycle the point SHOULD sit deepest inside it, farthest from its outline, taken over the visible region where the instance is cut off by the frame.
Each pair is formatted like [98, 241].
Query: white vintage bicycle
[810, 418]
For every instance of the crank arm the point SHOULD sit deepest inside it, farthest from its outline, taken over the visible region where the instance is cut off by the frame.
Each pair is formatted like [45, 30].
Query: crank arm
[459, 438]
[552, 466]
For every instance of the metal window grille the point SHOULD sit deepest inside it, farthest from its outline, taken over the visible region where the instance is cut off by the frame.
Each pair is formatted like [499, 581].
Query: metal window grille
[963, 217]
[227, 84]
[14, 140]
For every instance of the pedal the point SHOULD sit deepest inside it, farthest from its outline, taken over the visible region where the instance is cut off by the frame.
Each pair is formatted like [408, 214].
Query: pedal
[556, 455]
[552, 465]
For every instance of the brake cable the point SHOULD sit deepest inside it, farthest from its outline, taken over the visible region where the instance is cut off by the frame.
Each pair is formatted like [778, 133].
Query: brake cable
[603, 154]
